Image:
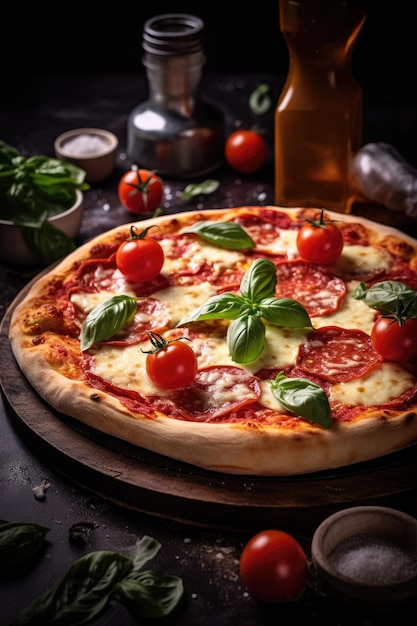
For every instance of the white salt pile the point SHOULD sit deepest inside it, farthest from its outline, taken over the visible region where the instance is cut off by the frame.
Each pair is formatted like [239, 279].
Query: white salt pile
[369, 558]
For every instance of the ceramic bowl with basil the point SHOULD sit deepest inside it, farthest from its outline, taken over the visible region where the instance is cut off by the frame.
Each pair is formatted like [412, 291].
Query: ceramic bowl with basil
[41, 205]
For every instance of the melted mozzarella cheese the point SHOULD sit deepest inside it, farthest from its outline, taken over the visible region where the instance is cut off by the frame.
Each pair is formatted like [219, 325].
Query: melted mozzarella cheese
[285, 244]
[87, 301]
[182, 300]
[352, 313]
[363, 259]
[219, 257]
[380, 385]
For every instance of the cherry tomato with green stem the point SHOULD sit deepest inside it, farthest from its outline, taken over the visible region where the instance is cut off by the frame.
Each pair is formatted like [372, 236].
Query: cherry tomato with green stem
[140, 190]
[246, 151]
[172, 364]
[320, 241]
[395, 337]
[140, 258]
[274, 567]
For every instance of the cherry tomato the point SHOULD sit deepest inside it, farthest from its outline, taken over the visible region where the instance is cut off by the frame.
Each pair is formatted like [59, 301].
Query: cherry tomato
[320, 241]
[246, 151]
[395, 341]
[273, 566]
[172, 364]
[140, 258]
[140, 191]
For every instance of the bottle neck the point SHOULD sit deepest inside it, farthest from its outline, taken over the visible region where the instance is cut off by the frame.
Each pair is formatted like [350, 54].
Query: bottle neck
[174, 81]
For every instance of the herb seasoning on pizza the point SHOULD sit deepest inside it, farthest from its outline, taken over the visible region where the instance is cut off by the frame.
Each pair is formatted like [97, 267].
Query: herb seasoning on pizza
[275, 368]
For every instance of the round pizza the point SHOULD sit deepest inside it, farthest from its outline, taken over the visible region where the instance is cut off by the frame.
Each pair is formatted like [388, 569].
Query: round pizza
[240, 340]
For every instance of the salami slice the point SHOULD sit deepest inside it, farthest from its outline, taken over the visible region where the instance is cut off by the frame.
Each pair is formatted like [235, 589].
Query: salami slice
[337, 354]
[216, 391]
[313, 286]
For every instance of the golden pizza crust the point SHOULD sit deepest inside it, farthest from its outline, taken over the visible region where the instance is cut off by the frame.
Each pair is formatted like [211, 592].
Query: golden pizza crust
[234, 448]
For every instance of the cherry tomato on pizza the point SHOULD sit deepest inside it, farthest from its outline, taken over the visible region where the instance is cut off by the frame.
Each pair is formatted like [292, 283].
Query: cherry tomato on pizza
[140, 258]
[320, 241]
[140, 191]
[274, 567]
[395, 337]
[171, 364]
[246, 151]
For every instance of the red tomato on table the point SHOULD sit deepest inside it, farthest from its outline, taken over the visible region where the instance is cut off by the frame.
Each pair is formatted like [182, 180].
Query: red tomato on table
[274, 567]
[246, 151]
[140, 190]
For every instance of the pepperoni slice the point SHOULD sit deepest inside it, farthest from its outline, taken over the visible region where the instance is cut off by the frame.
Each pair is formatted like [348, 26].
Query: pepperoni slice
[216, 391]
[337, 354]
[264, 228]
[313, 286]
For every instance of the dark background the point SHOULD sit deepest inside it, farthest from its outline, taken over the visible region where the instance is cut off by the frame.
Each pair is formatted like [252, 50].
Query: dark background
[93, 37]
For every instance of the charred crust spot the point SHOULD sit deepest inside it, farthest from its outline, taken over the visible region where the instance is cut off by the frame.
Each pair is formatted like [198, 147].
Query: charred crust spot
[95, 397]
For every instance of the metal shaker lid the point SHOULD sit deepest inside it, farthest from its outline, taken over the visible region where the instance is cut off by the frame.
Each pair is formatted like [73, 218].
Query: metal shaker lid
[173, 34]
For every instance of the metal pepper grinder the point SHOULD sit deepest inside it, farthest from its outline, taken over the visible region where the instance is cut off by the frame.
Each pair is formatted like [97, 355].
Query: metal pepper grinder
[175, 132]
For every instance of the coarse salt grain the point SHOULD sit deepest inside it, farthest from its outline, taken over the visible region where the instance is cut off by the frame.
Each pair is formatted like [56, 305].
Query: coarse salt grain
[85, 144]
[369, 558]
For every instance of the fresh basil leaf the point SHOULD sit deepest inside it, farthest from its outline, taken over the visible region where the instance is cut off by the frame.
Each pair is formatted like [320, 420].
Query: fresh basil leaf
[146, 549]
[303, 398]
[106, 319]
[224, 234]
[223, 306]
[149, 594]
[81, 594]
[48, 243]
[19, 542]
[383, 296]
[285, 312]
[259, 281]
[246, 338]
[200, 189]
[260, 100]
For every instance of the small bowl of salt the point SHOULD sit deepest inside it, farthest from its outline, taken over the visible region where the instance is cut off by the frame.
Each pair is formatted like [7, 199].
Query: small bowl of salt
[92, 149]
[366, 556]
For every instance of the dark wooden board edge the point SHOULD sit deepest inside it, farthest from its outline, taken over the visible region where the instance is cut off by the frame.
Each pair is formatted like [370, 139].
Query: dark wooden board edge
[147, 482]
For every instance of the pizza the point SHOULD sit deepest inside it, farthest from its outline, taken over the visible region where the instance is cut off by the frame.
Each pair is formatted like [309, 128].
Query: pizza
[287, 380]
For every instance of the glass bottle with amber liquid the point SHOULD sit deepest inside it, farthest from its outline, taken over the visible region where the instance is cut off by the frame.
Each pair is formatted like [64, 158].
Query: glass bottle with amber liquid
[318, 118]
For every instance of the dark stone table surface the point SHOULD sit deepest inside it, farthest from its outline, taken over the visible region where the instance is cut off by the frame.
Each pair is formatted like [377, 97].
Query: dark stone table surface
[33, 111]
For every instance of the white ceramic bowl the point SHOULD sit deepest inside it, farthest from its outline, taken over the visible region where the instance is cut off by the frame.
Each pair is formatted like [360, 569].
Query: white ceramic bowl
[13, 247]
[366, 556]
[92, 149]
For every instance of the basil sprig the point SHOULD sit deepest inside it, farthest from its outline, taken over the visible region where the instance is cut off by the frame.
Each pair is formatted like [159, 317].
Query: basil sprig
[385, 295]
[19, 542]
[225, 234]
[96, 578]
[200, 189]
[303, 398]
[106, 319]
[246, 332]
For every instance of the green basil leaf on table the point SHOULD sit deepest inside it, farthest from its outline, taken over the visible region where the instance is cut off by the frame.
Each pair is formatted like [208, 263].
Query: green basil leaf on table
[303, 398]
[81, 594]
[19, 542]
[200, 189]
[224, 234]
[106, 319]
[260, 99]
[149, 594]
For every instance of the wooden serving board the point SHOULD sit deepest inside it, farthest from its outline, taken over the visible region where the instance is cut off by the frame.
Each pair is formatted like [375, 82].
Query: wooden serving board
[144, 481]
